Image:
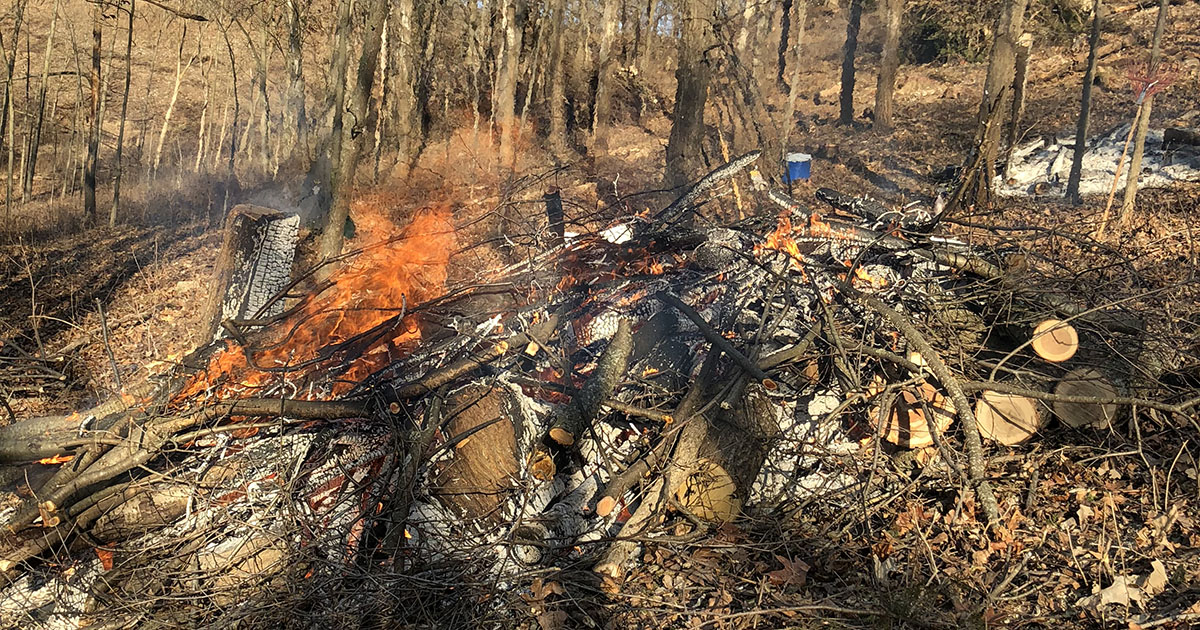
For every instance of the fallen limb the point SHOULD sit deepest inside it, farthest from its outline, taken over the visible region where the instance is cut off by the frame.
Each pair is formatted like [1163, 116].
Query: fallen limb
[975, 463]
[571, 420]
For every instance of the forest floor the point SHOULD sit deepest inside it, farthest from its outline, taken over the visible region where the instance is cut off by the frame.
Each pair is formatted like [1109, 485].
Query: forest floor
[1086, 513]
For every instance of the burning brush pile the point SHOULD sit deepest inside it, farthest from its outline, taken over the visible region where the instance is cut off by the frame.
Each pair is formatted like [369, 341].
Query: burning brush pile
[391, 435]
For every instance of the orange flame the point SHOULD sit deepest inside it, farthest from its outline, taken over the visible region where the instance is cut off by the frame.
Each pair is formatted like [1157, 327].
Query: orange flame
[57, 459]
[379, 285]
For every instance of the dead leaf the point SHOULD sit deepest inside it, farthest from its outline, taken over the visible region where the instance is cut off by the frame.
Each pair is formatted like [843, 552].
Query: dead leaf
[1155, 582]
[793, 573]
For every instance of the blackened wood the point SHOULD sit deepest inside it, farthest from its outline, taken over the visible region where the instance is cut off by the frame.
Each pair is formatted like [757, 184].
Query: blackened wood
[1175, 137]
[570, 422]
[554, 215]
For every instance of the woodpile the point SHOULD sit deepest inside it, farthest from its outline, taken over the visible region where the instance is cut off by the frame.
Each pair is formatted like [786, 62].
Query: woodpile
[664, 370]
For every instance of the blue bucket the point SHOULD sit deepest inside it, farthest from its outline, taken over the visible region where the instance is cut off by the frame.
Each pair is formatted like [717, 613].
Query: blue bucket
[799, 167]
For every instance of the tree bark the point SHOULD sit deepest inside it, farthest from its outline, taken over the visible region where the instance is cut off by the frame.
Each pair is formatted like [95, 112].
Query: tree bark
[1085, 108]
[794, 89]
[1017, 110]
[296, 111]
[691, 92]
[558, 94]
[604, 72]
[35, 135]
[981, 167]
[9, 114]
[349, 142]
[785, 27]
[93, 141]
[512, 16]
[893, 10]
[1143, 122]
[847, 96]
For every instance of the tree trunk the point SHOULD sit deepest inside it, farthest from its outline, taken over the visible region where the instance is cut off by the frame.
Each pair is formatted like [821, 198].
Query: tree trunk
[558, 95]
[785, 26]
[180, 70]
[297, 135]
[604, 72]
[1085, 108]
[384, 88]
[116, 203]
[406, 121]
[512, 15]
[847, 97]
[9, 114]
[1017, 111]
[349, 144]
[885, 89]
[981, 168]
[794, 90]
[1143, 122]
[93, 141]
[35, 136]
[691, 91]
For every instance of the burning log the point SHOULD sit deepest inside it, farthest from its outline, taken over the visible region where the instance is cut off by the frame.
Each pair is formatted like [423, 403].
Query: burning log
[254, 264]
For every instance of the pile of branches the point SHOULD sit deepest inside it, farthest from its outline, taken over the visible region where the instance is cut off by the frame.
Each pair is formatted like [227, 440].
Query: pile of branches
[643, 383]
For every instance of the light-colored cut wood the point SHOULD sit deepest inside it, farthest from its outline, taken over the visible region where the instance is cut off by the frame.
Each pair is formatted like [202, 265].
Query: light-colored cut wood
[1055, 340]
[906, 424]
[1008, 418]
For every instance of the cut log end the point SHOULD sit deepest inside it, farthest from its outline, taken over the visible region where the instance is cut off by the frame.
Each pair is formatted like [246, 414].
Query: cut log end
[906, 425]
[1093, 384]
[1008, 418]
[605, 506]
[562, 436]
[1055, 340]
[710, 493]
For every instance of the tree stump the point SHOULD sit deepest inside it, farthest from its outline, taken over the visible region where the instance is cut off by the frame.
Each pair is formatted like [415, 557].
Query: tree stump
[1008, 418]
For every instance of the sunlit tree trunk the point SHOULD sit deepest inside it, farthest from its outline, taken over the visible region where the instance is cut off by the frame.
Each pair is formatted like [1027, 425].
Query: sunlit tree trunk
[512, 14]
[9, 121]
[604, 75]
[558, 94]
[296, 113]
[1085, 107]
[848, 51]
[794, 90]
[1143, 121]
[692, 76]
[885, 89]
[180, 70]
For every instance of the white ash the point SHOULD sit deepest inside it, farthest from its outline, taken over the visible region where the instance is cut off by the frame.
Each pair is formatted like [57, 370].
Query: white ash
[1043, 166]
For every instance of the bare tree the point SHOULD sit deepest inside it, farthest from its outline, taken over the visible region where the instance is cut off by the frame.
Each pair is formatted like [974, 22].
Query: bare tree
[604, 71]
[1085, 107]
[34, 138]
[691, 92]
[794, 89]
[558, 97]
[180, 69]
[504, 103]
[296, 112]
[347, 142]
[7, 118]
[93, 139]
[885, 88]
[1143, 121]
[847, 96]
[976, 182]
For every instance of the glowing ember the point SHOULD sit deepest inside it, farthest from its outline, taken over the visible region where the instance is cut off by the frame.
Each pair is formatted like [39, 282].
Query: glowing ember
[366, 296]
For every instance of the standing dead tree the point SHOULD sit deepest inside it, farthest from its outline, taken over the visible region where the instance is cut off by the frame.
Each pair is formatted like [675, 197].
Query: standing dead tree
[93, 138]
